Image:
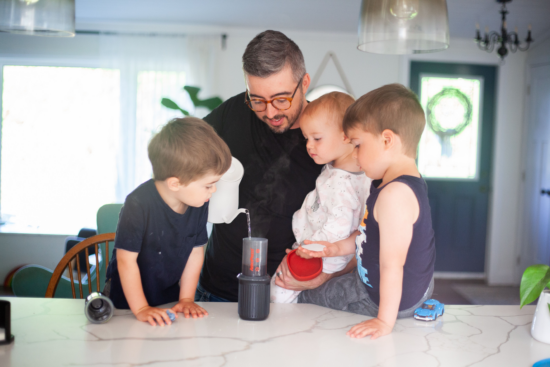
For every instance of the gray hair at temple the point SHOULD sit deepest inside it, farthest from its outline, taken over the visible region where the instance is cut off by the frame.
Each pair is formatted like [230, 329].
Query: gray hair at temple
[269, 52]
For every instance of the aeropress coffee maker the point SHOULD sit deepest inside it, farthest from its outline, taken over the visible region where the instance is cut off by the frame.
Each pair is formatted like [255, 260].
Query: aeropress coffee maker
[254, 289]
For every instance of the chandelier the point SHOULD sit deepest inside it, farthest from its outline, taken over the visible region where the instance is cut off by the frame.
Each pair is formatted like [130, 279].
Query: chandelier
[505, 40]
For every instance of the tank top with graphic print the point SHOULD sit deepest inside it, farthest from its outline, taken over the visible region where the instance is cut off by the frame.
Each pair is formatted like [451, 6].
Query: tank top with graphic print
[419, 264]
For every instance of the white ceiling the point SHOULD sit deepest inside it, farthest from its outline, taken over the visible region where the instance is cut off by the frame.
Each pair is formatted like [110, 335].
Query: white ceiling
[306, 15]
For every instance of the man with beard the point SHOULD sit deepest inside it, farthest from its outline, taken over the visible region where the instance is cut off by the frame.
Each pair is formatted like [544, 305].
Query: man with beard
[262, 129]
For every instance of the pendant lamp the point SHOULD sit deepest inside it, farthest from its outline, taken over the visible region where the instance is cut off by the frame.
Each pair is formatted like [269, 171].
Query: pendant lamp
[403, 26]
[54, 18]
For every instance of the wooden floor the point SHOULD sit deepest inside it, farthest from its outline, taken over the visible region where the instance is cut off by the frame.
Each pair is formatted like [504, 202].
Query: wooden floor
[444, 292]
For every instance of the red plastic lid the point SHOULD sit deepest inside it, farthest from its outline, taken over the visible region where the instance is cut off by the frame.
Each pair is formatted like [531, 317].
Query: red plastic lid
[303, 269]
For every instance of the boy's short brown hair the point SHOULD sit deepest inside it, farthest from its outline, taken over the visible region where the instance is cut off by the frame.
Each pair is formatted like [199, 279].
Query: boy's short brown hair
[334, 104]
[392, 107]
[188, 148]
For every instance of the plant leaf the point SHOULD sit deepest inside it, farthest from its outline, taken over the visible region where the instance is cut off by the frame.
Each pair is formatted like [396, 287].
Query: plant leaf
[166, 102]
[548, 306]
[209, 103]
[533, 281]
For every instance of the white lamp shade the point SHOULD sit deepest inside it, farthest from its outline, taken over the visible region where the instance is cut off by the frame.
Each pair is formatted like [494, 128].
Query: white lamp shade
[38, 17]
[403, 26]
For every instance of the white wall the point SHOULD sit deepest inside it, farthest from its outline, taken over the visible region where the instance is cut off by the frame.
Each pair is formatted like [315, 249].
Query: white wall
[526, 250]
[540, 51]
[366, 72]
[21, 249]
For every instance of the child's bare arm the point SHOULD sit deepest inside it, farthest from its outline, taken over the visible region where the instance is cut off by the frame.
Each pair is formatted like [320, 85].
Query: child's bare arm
[396, 211]
[340, 248]
[188, 285]
[133, 290]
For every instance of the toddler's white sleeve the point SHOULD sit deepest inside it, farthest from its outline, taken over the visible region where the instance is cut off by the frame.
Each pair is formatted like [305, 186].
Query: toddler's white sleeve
[340, 206]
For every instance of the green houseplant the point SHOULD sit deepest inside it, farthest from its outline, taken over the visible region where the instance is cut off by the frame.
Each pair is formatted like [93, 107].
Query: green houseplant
[209, 103]
[535, 278]
[533, 283]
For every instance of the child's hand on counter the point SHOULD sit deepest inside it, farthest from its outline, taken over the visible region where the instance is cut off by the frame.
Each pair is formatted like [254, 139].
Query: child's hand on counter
[189, 309]
[373, 327]
[154, 316]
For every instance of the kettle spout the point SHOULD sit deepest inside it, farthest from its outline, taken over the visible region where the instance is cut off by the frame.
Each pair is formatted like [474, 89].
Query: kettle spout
[239, 211]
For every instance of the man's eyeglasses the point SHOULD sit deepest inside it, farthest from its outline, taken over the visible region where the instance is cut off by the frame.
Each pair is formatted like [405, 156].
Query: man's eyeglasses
[280, 103]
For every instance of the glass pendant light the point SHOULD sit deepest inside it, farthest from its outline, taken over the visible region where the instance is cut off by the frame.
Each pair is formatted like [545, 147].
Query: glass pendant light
[403, 26]
[38, 17]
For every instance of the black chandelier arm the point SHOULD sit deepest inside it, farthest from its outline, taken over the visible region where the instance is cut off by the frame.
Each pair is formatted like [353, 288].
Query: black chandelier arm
[494, 37]
[513, 41]
[489, 47]
[513, 38]
[528, 41]
[488, 42]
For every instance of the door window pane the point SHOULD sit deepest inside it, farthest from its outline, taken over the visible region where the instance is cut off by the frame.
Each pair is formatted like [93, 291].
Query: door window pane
[59, 140]
[449, 148]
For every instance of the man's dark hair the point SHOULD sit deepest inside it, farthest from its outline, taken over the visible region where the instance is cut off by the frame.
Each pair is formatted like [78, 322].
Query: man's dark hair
[269, 52]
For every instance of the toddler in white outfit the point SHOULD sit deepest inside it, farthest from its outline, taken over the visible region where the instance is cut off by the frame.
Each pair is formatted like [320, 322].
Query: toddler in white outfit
[333, 210]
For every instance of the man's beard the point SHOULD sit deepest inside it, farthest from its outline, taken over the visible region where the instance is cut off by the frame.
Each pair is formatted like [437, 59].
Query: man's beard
[291, 120]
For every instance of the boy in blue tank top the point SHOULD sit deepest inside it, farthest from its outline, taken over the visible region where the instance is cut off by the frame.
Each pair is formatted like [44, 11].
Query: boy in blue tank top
[394, 245]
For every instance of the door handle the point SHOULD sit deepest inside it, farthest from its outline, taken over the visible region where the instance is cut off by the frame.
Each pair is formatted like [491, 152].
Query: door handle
[543, 191]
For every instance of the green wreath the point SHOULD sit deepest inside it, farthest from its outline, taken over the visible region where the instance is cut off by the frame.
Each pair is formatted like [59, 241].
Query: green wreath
[448, 92]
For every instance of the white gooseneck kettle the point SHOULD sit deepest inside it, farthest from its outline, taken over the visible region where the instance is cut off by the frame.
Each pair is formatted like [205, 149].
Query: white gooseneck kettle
[224, 203]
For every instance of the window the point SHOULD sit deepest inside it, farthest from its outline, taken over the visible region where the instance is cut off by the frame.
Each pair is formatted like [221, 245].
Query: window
[152, 86]
[59, 146]
[63, 154]
[77, 116]
[449, 148]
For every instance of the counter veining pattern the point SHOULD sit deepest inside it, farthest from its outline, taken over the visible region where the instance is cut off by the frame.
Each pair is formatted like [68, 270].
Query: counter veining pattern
[55, 332]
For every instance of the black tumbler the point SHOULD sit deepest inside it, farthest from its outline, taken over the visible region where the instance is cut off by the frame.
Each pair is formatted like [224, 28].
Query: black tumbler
[254, 283]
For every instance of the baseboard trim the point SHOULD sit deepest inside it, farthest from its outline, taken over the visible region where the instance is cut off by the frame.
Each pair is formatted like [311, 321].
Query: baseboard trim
[458, 275]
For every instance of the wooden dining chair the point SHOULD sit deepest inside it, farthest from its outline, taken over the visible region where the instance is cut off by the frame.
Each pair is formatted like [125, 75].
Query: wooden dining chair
[81, 249]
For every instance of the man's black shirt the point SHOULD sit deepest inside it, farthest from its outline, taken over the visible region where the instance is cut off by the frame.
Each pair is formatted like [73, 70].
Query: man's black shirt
[278, 174]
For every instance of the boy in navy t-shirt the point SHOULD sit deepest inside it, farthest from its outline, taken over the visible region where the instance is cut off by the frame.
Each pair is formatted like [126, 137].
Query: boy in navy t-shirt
[394, 247]
[161, 231]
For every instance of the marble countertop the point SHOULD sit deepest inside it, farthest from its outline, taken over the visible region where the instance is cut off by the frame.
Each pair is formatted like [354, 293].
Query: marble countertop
[55, 332]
